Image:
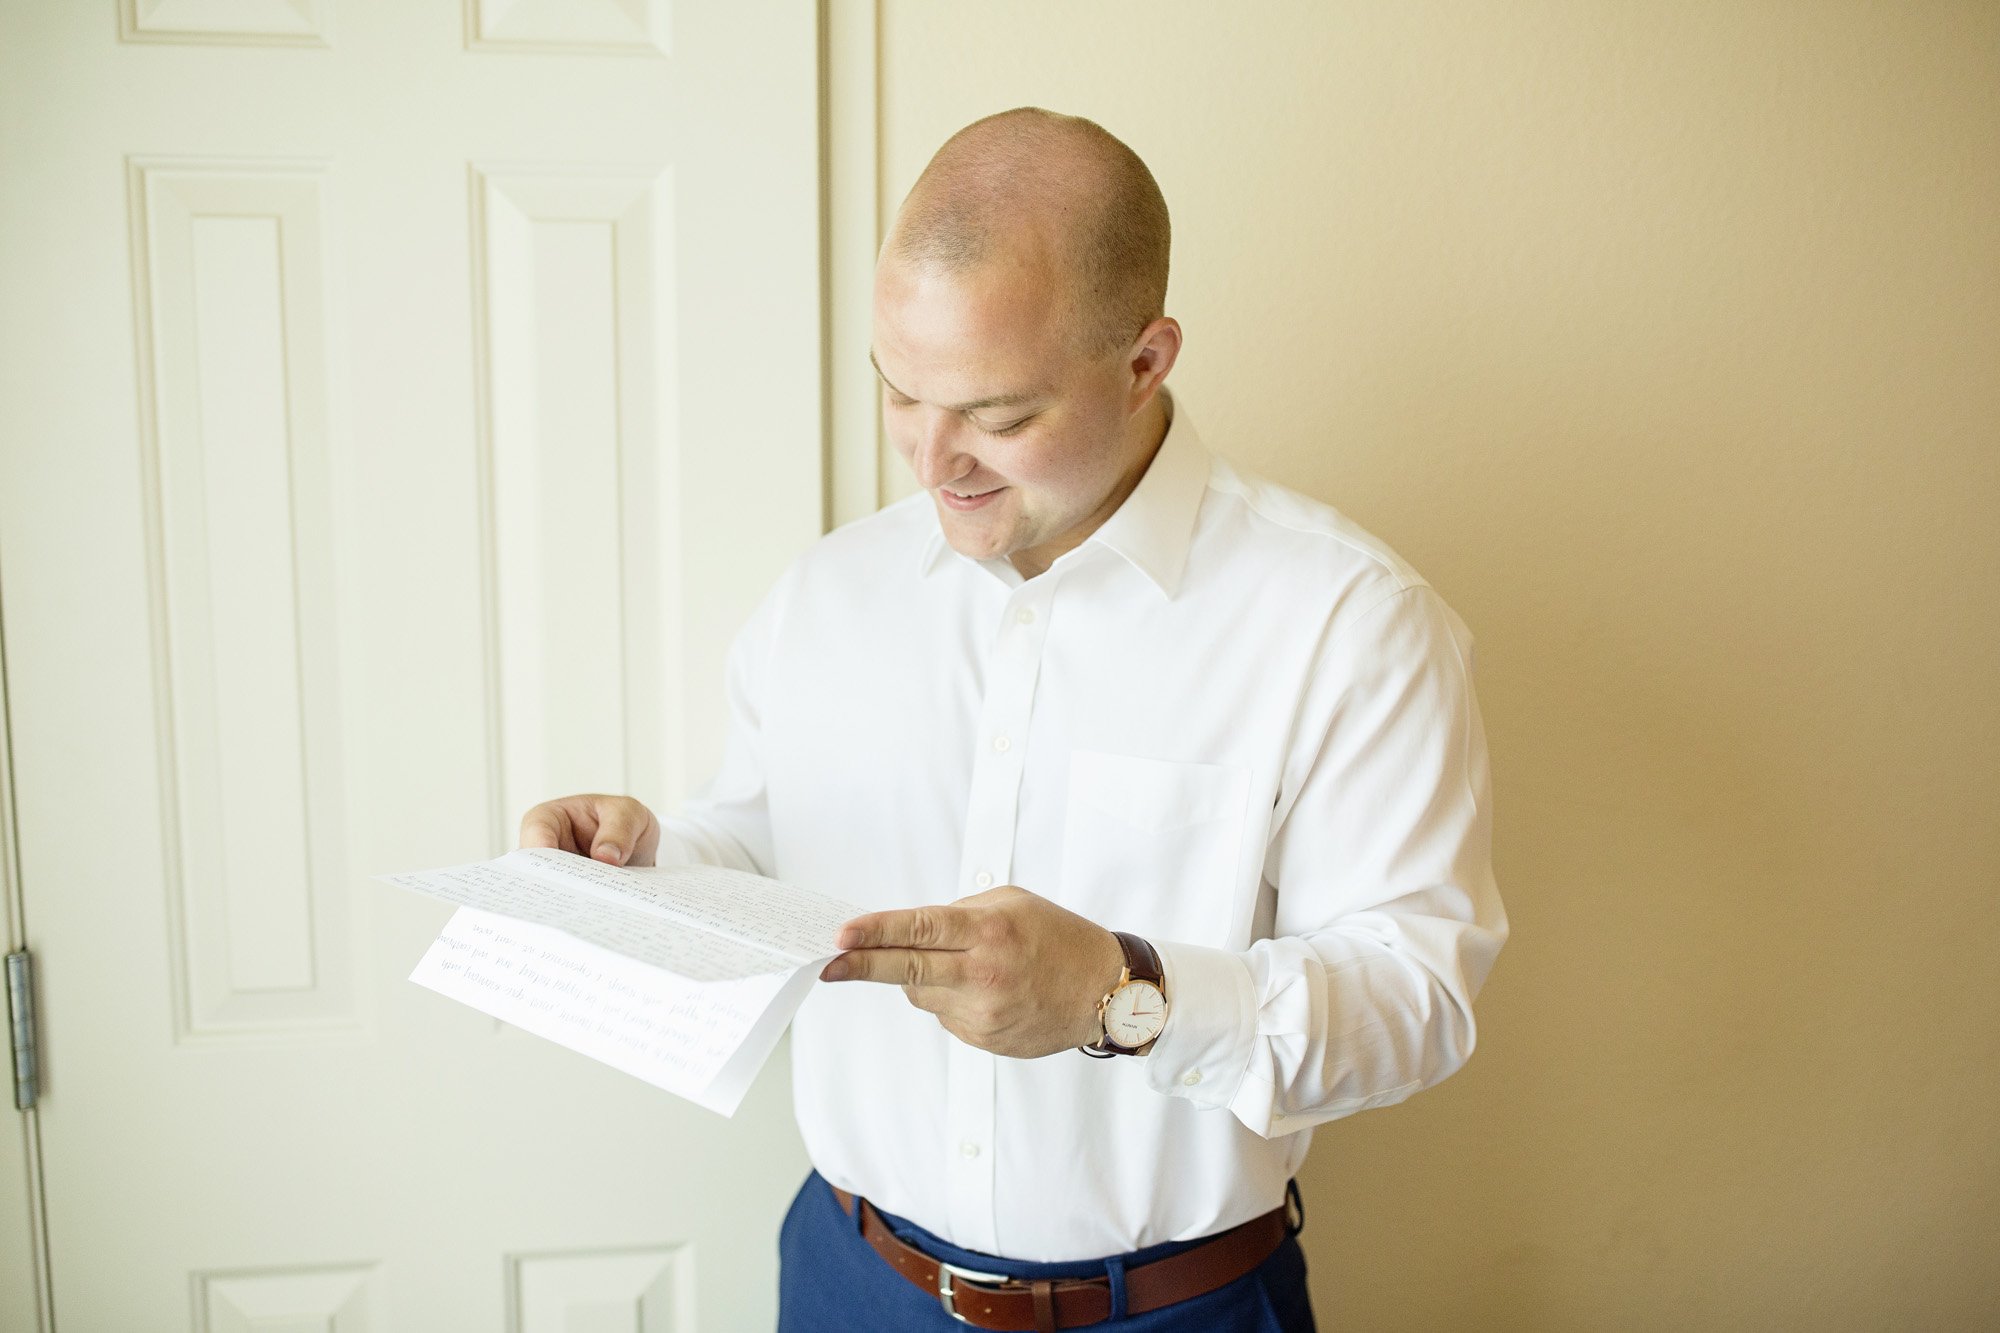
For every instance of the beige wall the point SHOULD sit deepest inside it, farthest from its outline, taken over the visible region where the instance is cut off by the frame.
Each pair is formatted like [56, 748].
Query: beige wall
[1665, 344]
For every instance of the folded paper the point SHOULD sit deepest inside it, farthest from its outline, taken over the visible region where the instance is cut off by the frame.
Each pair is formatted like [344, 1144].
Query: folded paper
[683, 976]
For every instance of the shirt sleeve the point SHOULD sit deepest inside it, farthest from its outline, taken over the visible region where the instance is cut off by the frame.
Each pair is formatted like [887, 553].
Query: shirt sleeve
[1387, 915]
[727, 820]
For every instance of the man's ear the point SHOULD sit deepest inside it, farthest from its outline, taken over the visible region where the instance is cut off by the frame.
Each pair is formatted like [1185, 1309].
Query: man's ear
[1152, 355]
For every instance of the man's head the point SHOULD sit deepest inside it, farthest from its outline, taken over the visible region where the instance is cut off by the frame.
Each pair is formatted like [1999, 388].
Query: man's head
[1020, 333]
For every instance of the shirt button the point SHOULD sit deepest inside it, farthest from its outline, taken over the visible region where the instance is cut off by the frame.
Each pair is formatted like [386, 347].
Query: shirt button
[1026, 615]
[969, 1148]
[984, 879]
[1001, 743]
[1192, 1077]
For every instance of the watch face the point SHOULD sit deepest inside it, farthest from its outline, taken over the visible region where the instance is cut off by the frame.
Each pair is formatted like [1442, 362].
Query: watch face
[1135, 1014]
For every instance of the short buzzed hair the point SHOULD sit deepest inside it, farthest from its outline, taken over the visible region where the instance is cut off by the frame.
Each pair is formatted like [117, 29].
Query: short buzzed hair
[1091, 194]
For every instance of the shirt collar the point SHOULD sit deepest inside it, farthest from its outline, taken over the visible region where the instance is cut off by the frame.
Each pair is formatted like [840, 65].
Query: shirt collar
[1155, 526]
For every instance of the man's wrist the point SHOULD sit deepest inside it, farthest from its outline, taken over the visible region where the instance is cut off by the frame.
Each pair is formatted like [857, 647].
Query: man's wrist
[1092, 1025]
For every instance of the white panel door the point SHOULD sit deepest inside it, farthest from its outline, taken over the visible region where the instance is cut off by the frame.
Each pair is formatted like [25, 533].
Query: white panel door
[401, 404]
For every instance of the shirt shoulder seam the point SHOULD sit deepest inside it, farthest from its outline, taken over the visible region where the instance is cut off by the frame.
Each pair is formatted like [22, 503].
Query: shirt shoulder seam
[1394, 566]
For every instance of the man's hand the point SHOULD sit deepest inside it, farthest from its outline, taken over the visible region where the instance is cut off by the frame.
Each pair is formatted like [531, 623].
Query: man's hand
[614, 829]
[1005, 970]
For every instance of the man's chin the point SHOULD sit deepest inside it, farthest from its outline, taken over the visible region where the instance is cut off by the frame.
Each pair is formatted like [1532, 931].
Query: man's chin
[979, 550]
[970, 539]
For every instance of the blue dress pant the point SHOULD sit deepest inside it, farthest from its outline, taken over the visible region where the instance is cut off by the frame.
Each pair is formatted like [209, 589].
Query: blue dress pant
[830, 1280]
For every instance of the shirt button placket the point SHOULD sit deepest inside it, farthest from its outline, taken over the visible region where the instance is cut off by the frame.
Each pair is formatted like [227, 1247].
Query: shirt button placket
[1013, 664]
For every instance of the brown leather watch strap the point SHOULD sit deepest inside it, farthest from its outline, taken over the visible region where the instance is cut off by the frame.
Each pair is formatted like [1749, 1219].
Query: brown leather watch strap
[1141, 960]
[1047, 1304]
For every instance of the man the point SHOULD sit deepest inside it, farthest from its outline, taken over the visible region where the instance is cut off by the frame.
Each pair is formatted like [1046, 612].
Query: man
[1132, 752]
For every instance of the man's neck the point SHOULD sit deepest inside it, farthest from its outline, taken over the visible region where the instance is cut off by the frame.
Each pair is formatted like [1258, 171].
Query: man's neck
[1150, 428]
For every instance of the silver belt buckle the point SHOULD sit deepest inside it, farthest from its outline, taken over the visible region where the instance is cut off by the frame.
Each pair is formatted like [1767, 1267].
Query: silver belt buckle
[947, 1296]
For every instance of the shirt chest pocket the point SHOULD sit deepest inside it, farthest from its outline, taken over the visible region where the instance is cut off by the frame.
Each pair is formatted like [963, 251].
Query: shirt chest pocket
[1151, 845]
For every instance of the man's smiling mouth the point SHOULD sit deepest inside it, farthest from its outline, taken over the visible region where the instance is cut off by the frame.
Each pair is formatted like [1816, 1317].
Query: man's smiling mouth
[960, 500]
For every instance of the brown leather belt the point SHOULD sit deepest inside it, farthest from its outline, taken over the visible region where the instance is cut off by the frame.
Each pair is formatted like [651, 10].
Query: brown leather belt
[991, 1300]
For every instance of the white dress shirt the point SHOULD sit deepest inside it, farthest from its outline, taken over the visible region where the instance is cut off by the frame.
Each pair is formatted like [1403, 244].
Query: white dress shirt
[1231, 722]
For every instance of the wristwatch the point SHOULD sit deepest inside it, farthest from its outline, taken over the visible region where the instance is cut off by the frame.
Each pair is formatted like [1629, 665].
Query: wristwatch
[1133, 1012]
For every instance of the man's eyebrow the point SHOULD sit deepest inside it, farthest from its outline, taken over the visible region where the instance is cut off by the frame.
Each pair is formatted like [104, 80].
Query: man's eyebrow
[996, 400]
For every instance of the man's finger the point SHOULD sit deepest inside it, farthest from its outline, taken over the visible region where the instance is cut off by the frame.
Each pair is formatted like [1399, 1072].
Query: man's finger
[930, 999]
[943, 927]
[617, 830]
[626, 833]
[899, 967]
[547, 825]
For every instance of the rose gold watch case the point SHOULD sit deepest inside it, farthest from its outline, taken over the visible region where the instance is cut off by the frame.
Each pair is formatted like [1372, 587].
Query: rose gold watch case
[1127, 981]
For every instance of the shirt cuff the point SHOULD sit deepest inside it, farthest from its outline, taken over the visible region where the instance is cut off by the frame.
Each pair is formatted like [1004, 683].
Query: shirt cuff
[675, 847]
[1205, 1047]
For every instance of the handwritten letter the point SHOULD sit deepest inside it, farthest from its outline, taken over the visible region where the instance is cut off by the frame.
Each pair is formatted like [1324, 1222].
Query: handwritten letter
[683, 976]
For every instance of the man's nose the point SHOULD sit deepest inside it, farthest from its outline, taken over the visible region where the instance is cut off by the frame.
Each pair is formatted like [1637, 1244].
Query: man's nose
[936, 458]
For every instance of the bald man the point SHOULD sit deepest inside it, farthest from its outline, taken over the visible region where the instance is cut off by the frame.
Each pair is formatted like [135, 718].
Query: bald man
[1167, 786]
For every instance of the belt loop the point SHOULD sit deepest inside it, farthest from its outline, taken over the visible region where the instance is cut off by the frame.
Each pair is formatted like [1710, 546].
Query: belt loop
[1115, 1267]
[1045, 1304]
[1294, 1199]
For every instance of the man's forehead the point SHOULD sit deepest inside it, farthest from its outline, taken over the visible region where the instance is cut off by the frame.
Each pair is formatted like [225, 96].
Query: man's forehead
[995, 297]
[963, 338]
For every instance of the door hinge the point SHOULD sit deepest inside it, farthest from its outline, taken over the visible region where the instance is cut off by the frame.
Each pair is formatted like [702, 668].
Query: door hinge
[21, 1027]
